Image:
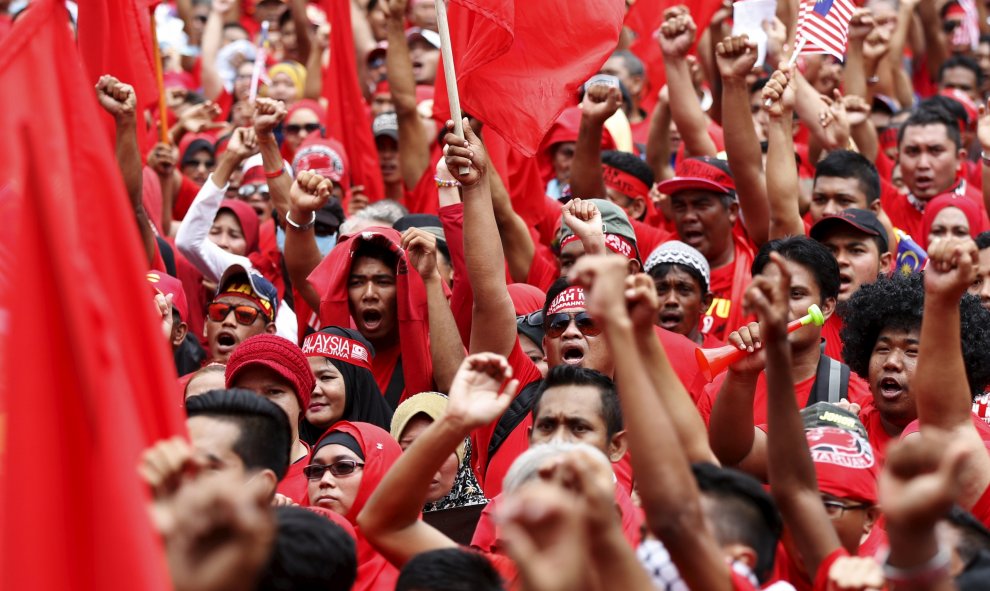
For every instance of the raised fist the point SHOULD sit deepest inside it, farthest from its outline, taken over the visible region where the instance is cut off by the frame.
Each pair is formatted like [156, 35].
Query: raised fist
[115, 97]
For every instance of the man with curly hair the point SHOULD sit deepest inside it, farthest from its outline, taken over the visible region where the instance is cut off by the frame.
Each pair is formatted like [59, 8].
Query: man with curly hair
[882, 337]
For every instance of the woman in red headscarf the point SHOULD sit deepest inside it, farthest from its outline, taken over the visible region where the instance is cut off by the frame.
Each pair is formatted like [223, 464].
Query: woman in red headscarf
[345, 467]
[304, 119]
[951, 215]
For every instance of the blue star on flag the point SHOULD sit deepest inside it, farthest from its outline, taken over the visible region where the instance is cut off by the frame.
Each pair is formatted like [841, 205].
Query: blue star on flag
[823, 6]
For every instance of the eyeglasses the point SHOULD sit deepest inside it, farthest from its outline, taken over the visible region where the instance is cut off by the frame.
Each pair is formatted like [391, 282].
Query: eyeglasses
[556, 324]
[836, 509]
[244, 314]
[207, 164]
[338, 468]
[249, 190]
[295, 128]
[532, 319]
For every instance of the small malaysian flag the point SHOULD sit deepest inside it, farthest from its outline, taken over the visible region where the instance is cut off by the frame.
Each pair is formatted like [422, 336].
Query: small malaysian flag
[967, 34]
[823, 26]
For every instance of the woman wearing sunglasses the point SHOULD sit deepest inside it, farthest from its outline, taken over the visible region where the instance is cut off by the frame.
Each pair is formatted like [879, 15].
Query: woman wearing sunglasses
[345, 387]
[345, 467]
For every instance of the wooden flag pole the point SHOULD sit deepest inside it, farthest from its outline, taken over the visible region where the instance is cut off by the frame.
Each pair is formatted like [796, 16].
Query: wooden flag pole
[160, 80]
[448, 71]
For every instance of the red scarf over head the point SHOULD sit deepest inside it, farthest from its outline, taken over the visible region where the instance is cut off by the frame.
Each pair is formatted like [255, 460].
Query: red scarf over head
[330, 280]
[380, 453]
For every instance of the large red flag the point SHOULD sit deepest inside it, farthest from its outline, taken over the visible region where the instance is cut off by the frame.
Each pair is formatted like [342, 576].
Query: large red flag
[115, 38]
[519, 64]
[347, 113]
[88, 383]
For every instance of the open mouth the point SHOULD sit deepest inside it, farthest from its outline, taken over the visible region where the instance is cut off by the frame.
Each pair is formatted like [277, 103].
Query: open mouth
[671, 319]
[226, 341]
[923, 183]
[572, 355]
[890, 388]
[845, 282]
[693, 237]
[372, 319]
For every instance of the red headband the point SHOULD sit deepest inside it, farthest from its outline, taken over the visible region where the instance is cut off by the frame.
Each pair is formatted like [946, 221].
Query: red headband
[572, 297]
[624, 182]
[337, 347]
[613, 242]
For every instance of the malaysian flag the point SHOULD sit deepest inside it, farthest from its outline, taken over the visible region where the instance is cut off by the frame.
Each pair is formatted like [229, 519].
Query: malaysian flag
[967, 34]
[823, 26]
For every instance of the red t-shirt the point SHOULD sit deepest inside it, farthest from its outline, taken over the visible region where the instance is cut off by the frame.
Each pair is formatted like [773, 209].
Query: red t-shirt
[833, 342]
[649, 237]
[879, 438]
[187, 193]
[981, 427]
[728, 284]
[908, 218]
[859, 392]
[295, 485]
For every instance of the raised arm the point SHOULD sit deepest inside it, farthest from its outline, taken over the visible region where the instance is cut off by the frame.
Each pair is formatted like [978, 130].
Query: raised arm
[666, 486]
[658, 140]
[493, 325]
[676, 38]
[268, 113]
[782, 177]
[414, 150]
[446, 349]
[600, 102]
[482, 390]
[309, 194]
[517, 242]
[935, 50]
[942, 392]
[212, 40]
[793, 482]
[119, 100]
[736, 57]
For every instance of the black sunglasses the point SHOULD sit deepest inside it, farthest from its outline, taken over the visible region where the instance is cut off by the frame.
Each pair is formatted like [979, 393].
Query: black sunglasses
[295, 128]
[532, 319]
[556, 324]
[338, 468]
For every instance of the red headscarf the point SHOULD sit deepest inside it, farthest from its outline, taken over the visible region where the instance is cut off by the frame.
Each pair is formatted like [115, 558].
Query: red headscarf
[526, 298]
[976, 219]
[248, 219]
[380, 453]
[330, 281]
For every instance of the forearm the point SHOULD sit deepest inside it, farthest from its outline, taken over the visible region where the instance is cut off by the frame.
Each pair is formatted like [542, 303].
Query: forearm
[686, 110]
[212, 40]
[854, 74]
[782, 181]
[615, 561]
[398, 65]
[865, 137]
[808, 105]
[943, 396]
[986, 185]
[587, 181]
[280, 187]
[446, 349]
[913, 547]
[364, 41]
[730, 429]
[517, 243]
[304, 32]
[691, 431]
[313, 88]
[414, 152]
[302, 255]
[935, 50]
[745, 160]
[658, 142]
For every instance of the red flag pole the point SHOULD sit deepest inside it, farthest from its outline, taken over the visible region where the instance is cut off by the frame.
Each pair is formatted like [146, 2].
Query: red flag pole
[448, 71]
[159, 78]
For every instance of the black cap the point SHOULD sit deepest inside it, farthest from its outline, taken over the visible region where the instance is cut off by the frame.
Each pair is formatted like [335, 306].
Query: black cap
[531, 325]
[331, 214]
[860, 219]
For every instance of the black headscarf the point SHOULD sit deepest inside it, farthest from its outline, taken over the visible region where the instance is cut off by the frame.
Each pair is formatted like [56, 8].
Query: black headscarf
[363, 401]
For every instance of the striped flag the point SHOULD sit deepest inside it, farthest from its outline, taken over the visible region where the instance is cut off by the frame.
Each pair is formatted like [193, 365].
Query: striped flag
[823, 26]
[967, 34]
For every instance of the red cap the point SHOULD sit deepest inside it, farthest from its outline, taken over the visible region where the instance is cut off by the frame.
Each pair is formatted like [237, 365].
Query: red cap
[279, 355]
[844, 463]
[165, 285]
[704, 173]
[972, 111]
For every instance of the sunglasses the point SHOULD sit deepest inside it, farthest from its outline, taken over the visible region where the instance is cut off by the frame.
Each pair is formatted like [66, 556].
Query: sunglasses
[338, 468]
[295, 128]
[201, 163]
[950, 26]
[556, 324]
[244, 314]
[532, 319]
[249, 190]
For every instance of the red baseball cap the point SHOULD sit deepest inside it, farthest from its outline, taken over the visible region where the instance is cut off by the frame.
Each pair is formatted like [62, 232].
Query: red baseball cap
[166, 284]
[701, 173]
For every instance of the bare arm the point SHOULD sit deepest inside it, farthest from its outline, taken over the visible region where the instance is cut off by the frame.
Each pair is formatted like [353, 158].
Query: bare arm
[517, 242]
[414, 152]
[212, 40]
[268, 113]
[935, 50]
[782, 178]
[313, 88]
[304, 33]
[676, 38]
[736, 57]
[600, 102]
[658, 140]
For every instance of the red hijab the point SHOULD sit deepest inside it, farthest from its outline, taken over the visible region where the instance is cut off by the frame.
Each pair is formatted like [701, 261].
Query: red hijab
[330, 280]
[248, 219]
[976, 219]
[380, 453]
[314, 106]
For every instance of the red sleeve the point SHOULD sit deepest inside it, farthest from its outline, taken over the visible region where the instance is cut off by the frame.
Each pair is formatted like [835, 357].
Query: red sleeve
[981, 510]
[859, 390]
[462, 298]
[649, 237]
[821, 577]
[187, 193]
[484, 538]
[423, 198]
[885, 167]
[542, 272]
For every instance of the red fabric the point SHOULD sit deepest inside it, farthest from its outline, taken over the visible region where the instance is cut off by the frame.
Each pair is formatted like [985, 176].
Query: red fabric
[981, 427]
[330, 281]
[424, 197]
[187, 193]
[514, 76]
[879, 438]
[380, 453]
[347, 119]
[981, 510]
[649, 237]
[831, 332]
[907, 218]
[72, 265]
[295, 485]
[114, 37]
[975, 216]
[859, 392]
[728, 284]
[543, 271]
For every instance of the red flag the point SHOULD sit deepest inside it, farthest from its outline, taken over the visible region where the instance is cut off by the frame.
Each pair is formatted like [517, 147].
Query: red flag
[347, 114]
[520, 63]
[823, 26]
[115, 38]
[88, 382]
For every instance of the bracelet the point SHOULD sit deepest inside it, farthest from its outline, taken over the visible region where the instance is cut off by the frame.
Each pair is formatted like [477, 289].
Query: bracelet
[922, 575]
[445, 183]
[873, 80]
[274, 174]
[985, 157]
[303, 227]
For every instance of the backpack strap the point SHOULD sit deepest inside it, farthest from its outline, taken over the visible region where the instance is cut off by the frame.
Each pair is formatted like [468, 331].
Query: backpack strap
[396, 384]
[831, 382]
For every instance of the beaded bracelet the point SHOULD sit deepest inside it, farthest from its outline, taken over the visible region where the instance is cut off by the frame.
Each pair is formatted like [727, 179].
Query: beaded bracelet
[443, 183]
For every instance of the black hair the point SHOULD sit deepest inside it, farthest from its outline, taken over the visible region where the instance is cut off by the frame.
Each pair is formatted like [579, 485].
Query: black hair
[759, 84]
[950, 105]
[961, 61]
[631, 61]
[846, 164]
[569, 375]
[660, 271]
[375, 250]
[742, 512]
[932, 115]
[810, 254]
[265, 439]
[897, 302]
[449, 569]
[983, 240]
[630, 164]
[974, 537]
[310, 553]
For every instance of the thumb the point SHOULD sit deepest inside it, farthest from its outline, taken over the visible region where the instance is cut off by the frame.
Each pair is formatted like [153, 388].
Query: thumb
[469, 134]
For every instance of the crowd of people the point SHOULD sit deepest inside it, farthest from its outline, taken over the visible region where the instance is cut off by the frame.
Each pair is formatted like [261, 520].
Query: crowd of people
[582, 370]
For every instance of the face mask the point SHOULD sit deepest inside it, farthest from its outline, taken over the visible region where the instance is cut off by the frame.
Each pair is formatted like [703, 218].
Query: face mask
[324, 243]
